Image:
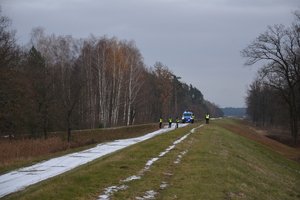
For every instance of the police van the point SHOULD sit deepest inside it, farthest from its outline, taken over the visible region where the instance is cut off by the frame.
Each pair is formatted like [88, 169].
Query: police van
[187, 116]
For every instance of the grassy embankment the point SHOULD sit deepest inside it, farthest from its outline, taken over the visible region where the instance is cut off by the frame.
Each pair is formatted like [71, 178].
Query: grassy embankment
[216, 163]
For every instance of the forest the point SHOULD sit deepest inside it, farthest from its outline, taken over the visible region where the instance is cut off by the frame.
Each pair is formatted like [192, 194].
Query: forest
[273, 98]
[61, 83]
[236, 112]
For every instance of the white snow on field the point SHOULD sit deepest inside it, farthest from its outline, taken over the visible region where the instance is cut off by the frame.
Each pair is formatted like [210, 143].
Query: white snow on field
[112, 189]
[21, 178]
[149, 195]
[180, 156]
[109, 191]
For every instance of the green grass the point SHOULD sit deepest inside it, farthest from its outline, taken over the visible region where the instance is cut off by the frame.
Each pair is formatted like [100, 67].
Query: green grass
[217, 164]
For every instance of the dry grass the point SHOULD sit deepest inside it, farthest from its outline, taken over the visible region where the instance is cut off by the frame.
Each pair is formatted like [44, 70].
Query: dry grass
[279, 133]
[270, 137]
[18, 150]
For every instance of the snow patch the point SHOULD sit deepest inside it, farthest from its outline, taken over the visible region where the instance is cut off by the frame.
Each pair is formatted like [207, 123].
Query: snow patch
[134, 177]
[20, 179]
[110, 191]
[180, 156]
[149, 195]
[163, 185]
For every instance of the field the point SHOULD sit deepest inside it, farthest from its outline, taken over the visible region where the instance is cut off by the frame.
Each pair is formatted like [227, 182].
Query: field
[214, 161]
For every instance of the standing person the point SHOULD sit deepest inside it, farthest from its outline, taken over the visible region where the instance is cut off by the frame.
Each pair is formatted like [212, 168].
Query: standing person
[192, 119]
[177, 121]
[170, 122]
[207, 118]
[160, 122]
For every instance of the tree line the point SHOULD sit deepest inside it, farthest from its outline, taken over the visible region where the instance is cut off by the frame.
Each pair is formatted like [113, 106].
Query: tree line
[274, 95]
[237, 112]
[60, 83]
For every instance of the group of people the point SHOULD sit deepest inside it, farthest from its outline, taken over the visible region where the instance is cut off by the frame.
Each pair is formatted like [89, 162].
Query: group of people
[170, 120]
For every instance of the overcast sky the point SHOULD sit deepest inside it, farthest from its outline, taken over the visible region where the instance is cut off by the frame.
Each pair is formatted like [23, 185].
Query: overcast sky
[199, 40]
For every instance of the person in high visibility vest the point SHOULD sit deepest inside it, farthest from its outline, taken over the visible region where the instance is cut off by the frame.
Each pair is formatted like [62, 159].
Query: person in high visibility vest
[160, 122]
[177, 121]
[170, 122]
[192, 118]
[207, 118]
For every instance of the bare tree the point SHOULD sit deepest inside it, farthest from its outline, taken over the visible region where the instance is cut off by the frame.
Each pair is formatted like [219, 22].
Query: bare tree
[261, 102]
[133, 81]
[69, 80]
[163, 89]
[12, 91]
[280, 46]
[62, 83]
[39, 87]
[101, 60]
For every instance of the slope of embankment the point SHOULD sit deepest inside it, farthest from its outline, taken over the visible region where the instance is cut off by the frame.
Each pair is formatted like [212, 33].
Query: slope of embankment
[211, 161]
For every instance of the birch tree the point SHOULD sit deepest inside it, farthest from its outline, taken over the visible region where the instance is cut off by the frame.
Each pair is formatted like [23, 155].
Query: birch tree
[133, 81]
[116, 68]
[101, 60]
[69, 80]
